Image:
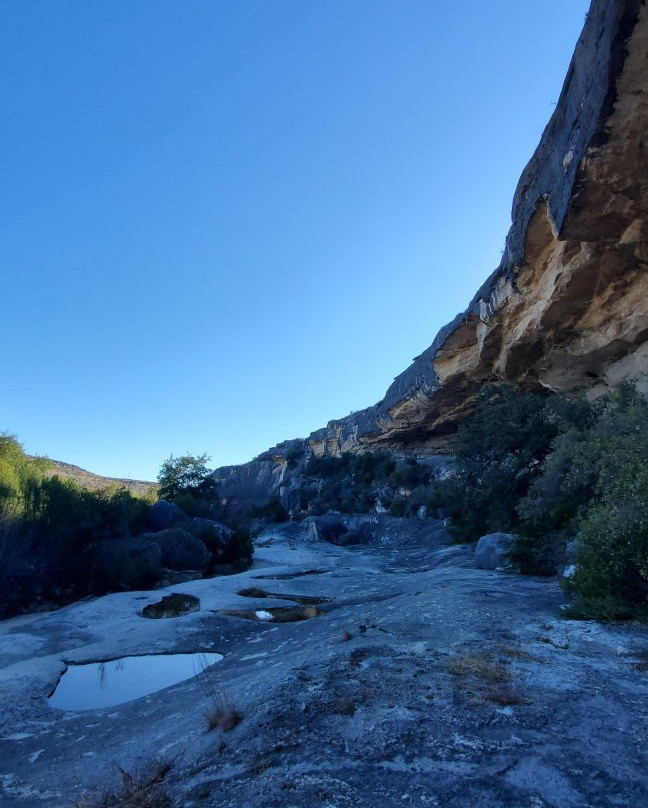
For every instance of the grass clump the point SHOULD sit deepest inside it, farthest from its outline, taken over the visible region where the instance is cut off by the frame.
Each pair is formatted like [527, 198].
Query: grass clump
[478, 665]
[144, 788]
[479, 672]
[220, 713]
[223, 715]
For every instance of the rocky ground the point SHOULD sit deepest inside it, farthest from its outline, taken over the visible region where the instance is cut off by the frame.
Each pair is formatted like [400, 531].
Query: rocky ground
[420, 681]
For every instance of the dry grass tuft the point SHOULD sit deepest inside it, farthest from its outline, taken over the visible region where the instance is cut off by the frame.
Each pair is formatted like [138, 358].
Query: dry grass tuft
[145, 788]
[505, 698]
[478, 664]
[515, 652]
[487, 678]
[222, 715]
[221, 712]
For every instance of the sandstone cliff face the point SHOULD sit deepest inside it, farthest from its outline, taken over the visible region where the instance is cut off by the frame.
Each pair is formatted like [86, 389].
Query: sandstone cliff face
[567, 309]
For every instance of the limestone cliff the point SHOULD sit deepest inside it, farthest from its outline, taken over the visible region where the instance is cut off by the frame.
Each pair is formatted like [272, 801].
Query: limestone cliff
[567, 309]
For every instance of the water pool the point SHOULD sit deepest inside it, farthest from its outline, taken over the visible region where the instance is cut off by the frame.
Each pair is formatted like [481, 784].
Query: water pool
[104, 684]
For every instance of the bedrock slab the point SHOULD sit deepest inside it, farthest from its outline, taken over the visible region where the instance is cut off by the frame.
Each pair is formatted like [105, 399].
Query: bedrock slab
[424, 681]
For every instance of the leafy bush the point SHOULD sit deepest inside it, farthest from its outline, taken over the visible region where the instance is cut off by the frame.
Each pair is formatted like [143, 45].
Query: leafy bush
[398, 506]
[409, 474]
[553, 469]
[241, 549]
[45, 525]
[352, 483]
[188, 483]
[600, 496]
[500, 452]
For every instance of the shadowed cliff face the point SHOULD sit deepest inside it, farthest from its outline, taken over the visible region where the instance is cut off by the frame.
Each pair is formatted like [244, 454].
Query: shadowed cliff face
[567, 309]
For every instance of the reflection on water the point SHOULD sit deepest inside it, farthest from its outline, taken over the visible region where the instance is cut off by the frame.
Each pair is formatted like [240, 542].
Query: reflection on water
[105, 684]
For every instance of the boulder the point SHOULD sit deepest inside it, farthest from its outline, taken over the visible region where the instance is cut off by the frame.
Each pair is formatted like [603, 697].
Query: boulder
[329, 527]
[216, 537]
[126, 564]
[163, 514]
[180, 550]
[492, 550]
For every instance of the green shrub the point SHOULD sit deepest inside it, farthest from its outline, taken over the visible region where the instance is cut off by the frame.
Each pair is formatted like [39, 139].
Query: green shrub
[409, 474]
[187, 474]
[611, 578]
[398, 506]
[45, 525]
[593, 487]
[242, 547]
[500, 451]
[352, 483]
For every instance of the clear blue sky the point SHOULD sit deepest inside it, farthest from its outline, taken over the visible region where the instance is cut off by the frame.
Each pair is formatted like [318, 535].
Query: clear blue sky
[225, 222]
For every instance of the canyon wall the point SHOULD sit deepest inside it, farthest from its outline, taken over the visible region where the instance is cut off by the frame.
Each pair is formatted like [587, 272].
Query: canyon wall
[567, 309]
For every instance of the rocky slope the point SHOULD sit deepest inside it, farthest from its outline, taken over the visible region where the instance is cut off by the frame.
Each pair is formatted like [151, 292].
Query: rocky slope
[95, 482]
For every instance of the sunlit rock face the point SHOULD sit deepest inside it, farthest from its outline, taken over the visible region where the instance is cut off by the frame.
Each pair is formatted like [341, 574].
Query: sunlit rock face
[568, 307]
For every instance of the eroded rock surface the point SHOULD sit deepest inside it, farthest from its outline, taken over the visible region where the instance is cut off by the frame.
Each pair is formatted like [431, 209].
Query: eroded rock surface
[567, 309]
[422, 681]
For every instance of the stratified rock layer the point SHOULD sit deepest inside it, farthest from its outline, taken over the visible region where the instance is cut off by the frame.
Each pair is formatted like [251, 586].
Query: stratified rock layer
[567, 309]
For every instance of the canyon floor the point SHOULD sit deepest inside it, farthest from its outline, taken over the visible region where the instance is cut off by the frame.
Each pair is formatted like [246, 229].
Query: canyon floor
[423, 681]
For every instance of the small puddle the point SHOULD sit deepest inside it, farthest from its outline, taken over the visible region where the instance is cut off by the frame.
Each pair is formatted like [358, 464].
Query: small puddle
[303, 600]
[104, 684]
[288, 576]
[278, 614]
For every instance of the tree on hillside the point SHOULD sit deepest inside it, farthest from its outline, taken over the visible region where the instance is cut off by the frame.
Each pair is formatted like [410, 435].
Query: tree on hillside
[186, 476]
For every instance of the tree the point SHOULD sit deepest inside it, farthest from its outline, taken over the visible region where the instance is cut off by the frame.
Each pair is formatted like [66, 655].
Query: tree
[186, 475]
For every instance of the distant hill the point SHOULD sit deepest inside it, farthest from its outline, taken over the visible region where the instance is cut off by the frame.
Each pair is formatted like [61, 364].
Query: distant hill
[95, 481]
